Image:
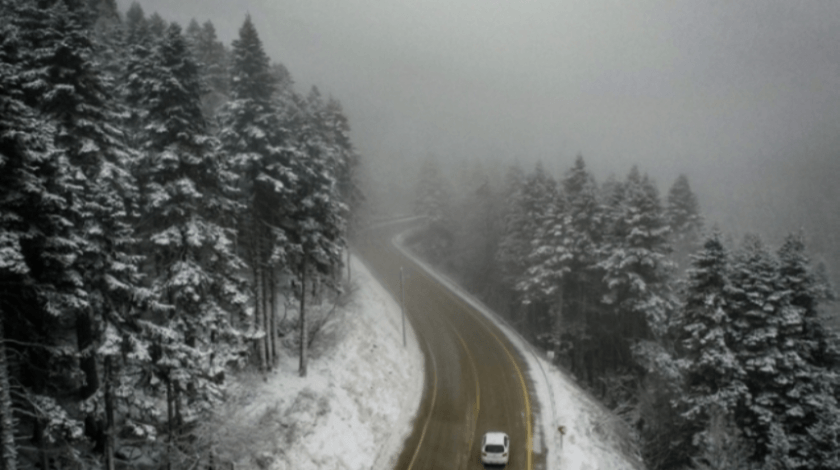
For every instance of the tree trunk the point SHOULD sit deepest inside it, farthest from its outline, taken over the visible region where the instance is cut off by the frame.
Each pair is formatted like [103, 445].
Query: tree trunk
[110, 425]
[258, 286]
[84, 340]
[303, 340]
[179, 415]
[8, 449]
[273, 324]
[558, 319]
[41, 442]
[267, 319]
[170, 415]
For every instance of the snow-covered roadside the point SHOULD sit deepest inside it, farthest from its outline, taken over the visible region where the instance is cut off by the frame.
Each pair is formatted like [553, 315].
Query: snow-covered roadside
[590, 440]
[356, 406]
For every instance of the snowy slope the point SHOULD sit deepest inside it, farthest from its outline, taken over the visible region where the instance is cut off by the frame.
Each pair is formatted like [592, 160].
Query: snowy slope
[355, 408]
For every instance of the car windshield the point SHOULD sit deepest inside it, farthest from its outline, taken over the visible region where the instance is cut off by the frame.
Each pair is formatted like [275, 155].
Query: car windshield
[494, 448]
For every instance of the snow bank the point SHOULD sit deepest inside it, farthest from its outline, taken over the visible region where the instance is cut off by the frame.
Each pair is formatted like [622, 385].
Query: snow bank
[356, 406]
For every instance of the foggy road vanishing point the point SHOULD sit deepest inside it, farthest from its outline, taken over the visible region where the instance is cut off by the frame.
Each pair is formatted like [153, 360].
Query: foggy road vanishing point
[475, 380]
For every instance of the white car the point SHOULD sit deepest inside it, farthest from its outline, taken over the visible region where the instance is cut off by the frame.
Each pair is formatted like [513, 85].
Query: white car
[495, 448]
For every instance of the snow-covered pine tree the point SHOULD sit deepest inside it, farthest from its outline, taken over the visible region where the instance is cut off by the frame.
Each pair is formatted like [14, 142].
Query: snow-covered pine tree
[549, 257]
[477, 233]
[65, 84]
[542, 286]
[514, 244]
[723, 446]
[336, 126]
[108, 35]
[136, 26]
[714, 378]
[137, 65]
[682, 213]
[542, 224]
[582, 288]
[812, 415]
[432, 200]
[765, 345]
[212, 55]
[257, 146]
[36, 256]
[809, 291]
[157, 25]
[634, 263]
[188, 217]
[432, 194]
[317, 214]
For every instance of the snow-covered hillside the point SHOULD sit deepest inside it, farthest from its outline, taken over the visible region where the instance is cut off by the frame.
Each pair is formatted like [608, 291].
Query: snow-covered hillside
[356, 407]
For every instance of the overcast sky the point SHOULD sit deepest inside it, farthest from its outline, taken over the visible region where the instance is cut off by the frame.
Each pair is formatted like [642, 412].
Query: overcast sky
[714, 89]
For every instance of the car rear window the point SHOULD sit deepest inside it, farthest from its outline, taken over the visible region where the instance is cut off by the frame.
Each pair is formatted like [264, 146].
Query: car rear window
[494, 448]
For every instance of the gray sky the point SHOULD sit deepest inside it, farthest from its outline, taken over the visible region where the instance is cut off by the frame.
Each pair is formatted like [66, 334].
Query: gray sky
[730, 92]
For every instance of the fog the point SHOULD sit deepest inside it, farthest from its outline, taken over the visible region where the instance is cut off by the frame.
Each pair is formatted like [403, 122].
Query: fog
[743, 97]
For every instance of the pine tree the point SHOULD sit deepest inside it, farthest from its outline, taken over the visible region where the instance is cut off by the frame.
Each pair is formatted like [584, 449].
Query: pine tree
[36, 250]
[157, 25]
[188, 217]
[514, 244]
[682, 214]
[432, 194]
[723, 447]
[812, 415]
[634, 262]
[75, 97]
[337, 128]
[477, 233]
[317, 213]
[136, 25]
[758, 317]
[256, 142]
[714, 377]
[212, 56]
[136, 68]
[541, 206]
[683, 211]
[792, 411]
[432, 200]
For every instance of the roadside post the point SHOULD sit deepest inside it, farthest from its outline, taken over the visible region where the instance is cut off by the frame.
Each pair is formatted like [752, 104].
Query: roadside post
[402, 303]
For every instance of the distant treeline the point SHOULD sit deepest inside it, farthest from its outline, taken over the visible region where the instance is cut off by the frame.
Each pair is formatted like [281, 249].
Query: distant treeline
[714, 352]
[159, 192]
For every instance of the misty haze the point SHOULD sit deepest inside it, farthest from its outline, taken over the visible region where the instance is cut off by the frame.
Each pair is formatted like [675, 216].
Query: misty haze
[366, 234]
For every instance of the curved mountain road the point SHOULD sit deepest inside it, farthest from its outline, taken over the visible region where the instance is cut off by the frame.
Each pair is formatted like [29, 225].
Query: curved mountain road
[475, 380]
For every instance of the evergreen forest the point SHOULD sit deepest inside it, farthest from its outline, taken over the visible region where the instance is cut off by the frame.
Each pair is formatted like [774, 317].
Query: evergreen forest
[161, 193]
[716, 353]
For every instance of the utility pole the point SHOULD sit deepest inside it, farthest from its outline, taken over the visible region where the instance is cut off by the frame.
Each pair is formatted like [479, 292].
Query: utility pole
[402, 303]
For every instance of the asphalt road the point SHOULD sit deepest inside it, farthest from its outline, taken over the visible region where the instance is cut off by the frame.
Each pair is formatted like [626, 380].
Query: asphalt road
[475, 379]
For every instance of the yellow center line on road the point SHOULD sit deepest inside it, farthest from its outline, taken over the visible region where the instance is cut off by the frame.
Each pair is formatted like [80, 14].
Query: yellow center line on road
[431, 407]
[480, 319]
[475, 377]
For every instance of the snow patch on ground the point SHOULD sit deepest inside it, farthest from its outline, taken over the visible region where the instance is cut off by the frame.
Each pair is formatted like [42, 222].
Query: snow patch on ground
[356, 406]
